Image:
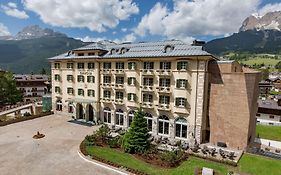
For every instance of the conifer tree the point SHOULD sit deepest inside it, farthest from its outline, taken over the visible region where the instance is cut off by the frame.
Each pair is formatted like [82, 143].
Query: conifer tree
[136, 140]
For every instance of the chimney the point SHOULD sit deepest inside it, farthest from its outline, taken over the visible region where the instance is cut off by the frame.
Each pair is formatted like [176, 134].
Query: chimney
[198, 43]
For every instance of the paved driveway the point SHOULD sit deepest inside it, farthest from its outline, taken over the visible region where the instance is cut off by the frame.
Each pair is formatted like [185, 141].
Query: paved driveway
[52, 155]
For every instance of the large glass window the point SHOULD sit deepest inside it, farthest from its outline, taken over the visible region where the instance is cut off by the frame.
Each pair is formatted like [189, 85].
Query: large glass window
[80, 78]
[182, 65]
[107, 65]
[91, 65]
[107, 115]
[106, 94]
[80, 65]
[181, 83]
[119, 65]
[119, 116]
[119, 95]
[147, 98]
[164, 82]
[132, 65]
[181, 102]
[181, 128]
[163, 125]
[165, 65]
[147, 81]
[148, 65]
[119, 80]
[163, 99]
[148, 117]
[106, 79]
[131, 117]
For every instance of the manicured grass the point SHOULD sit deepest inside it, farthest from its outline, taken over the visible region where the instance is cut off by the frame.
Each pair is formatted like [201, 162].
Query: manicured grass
[259, 60]
[186, 168]
[257, 165]
[269, 132]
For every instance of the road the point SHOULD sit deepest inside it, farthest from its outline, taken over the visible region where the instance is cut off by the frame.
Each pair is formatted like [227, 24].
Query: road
[55, 154]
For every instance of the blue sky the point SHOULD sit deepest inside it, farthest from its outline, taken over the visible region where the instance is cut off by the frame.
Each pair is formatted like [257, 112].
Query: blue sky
[133, 20]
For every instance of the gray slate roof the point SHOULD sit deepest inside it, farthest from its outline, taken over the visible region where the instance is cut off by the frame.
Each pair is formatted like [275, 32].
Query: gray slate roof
[138, 50]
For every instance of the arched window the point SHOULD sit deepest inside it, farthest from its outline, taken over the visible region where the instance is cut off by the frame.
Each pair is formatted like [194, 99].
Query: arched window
[107, 115]
[113, 51]
[119, 117]
[181, 128]
[168, 48]
[148, 117]
[59, 105]
[130, 117]
[163, 127]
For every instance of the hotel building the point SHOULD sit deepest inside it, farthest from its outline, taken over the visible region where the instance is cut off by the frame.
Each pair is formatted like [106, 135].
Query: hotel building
[171, 81]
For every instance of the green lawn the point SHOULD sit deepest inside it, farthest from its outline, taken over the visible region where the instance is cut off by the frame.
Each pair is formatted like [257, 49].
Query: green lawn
[258, 60]
[257, 165]
[269, 132]
[249, 164]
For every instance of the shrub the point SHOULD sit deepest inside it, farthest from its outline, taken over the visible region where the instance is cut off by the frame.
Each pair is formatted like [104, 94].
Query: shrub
[136, 140]
[173, 157]
[102, 134]
[90, 140]
[26, 114]
[114, 142]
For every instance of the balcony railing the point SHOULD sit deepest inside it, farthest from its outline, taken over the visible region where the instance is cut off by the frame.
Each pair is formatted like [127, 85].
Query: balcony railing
[148, 105]
[164, 107]
[106, 71]
[147, 71]
[162, 89]
[119, 101]
[119, 71]
[147, 88]
[164, 72]
[119, 86]
[106, 85]
[106, 100]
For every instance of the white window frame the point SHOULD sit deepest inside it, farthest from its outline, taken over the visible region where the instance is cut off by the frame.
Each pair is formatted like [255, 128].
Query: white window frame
[131, 81]
[179, 121]
[107, 115]
[107, 79]
[148, 65]
[149, 118]
[118, 115]
[107, 65]
[148, 81]
[106, 94]
[164, 99]
[163, 122]
[149, 97]
[118, 95]
[132, 65]
[91, 65]
[182, 65]
[165, 82]
[165, 65]
[80, 65]
[131, 115]
[119, 80]
[119, 65]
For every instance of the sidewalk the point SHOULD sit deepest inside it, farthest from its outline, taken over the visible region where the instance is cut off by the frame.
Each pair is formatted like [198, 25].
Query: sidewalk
[271, 143]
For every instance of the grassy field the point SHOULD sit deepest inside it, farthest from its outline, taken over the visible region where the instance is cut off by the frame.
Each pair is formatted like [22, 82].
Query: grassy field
[250, 164]
[269, 132]
[266, 61]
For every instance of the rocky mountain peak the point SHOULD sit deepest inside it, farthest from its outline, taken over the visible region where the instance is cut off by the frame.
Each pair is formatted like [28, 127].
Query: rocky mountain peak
[34, 31]
[269, 21]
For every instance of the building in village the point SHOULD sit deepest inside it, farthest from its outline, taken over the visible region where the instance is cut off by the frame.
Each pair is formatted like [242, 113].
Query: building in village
[269, 111]
[186, 93]
[33, 87]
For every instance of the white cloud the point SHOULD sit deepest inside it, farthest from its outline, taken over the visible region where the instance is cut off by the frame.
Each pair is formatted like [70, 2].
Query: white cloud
[91, 39]
[269, 8]
[127, 38]
[193, 18]
[124, 29]
[97, 15]
[11, 9]
[4, 30]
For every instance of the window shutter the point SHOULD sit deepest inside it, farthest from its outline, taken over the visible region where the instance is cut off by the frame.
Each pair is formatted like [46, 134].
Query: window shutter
[151, 65]
[161, 65]
[177, 101]
[135, 97]
[178, 83]
[185, 83]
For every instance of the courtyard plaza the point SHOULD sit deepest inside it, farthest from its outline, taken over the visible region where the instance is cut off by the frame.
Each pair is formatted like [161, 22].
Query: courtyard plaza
[56, 153]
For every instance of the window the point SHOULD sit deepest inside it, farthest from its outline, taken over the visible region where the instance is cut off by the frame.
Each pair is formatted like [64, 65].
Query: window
[106, 79]
[70, 108]
[106, 94]
[147, 98]
[119, 65]
[148, 65]
[258, 115]
[182, 65]
[131, 117]
[57, 77]
[91, 53]
[57, 89]
[91, 65]
[81, 92]
[80, 65]
[91, 93]
[59, 105]
[119, 116]
[70, 91]
[181, 83]
[119, 80]
[165, 65]
[148, 117]
[107, 65]
[80, 54]
[132, 97]
[57, 65]
[164, 82]
[181, 128]
[119, 95]
[69, 65]
[132, 66]
[164, 99]
[163, 127]
[107, 115]
[271, 116]
[69, 78]
[80, 78]
[148, 81]
[90, 79]
[180, 102]
[132, 81]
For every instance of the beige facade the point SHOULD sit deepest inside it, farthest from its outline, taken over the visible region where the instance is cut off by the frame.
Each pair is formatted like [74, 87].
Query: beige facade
[170, 81]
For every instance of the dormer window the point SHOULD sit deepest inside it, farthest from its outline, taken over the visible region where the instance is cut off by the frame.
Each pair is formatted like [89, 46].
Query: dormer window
[168, 48]
[80, 54]
[123, 50]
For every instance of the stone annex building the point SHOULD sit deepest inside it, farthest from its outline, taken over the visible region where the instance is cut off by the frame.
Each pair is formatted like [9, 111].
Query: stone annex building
[186, 93]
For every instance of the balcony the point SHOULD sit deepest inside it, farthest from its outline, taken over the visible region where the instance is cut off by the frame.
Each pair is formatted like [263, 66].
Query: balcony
[162, 89]
[148, 105]
[119, 86]
[119, 101]
[164, 72]
[106, 85]
[106, 100]
[132, 104]
[106, 71]
[181, 109]
[164, 107]
[147, 88]
[147, 71]
[119, 72]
